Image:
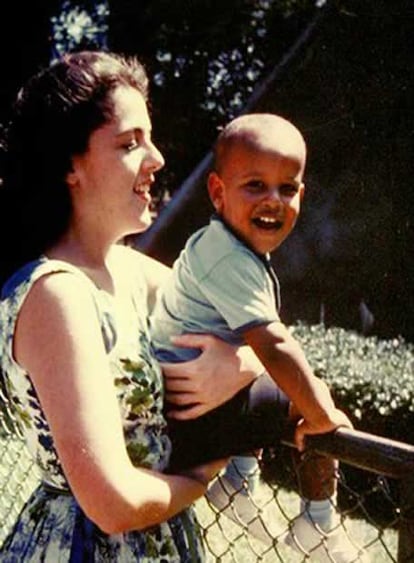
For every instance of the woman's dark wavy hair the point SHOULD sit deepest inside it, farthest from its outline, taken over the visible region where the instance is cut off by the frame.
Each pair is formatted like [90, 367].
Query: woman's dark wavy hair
[52, 120]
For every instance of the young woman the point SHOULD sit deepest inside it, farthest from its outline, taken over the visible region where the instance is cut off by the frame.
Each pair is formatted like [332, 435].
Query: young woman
[79, 163]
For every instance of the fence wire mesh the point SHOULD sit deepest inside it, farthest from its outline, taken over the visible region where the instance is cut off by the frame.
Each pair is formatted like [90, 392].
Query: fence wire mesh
[262, 526]
[246, 526]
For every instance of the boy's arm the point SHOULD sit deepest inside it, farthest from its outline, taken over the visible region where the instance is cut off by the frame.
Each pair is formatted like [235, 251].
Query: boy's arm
[285, 361]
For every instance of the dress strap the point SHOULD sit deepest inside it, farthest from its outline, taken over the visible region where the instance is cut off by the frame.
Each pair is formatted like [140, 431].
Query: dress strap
[55, 490]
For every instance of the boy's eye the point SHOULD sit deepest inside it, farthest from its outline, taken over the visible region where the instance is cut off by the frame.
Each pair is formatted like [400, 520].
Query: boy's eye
[255, 186]
[289, 189]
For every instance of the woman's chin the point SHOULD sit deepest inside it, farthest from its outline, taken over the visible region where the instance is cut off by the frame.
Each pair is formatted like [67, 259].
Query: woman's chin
[144, 224]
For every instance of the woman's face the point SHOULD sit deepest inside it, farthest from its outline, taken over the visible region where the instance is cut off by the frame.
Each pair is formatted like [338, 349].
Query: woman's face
[111, 181]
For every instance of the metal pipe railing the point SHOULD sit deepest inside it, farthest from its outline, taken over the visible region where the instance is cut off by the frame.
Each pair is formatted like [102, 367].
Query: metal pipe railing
[379, 455]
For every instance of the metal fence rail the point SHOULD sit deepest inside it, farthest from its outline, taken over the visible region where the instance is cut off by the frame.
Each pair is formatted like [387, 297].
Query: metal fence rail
[387, 468]
[385, 457]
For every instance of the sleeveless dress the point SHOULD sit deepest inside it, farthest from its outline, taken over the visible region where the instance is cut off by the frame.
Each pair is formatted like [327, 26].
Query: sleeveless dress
[52, 526]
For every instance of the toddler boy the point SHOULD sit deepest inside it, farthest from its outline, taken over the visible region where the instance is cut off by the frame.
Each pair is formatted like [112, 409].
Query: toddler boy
[223, 283]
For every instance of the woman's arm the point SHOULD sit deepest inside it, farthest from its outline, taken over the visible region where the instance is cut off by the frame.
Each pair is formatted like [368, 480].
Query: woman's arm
[214, 377]
[58, 341]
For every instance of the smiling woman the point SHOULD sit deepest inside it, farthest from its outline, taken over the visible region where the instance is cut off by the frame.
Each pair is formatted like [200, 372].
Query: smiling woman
[75, 349]
[115, 174]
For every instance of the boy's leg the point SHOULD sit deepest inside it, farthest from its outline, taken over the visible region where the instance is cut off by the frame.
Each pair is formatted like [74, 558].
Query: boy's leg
[233, 494]
[243, 473]
[254, 418]
[316, 474]
[318, 530]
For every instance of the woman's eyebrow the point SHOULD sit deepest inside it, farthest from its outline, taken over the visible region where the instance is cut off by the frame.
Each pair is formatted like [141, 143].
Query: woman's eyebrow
[135, 131]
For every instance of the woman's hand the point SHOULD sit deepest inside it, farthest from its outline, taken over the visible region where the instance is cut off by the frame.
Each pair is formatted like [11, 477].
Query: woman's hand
[198, 386]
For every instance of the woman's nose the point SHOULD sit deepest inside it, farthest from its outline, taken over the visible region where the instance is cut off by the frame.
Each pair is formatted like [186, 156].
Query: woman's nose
[155, 160]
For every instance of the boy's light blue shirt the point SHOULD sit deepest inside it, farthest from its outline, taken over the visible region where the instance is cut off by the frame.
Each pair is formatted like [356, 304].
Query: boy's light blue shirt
[217, 286]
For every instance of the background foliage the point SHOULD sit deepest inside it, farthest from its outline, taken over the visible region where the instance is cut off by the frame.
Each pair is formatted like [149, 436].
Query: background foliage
[350, 91]
[206, 58]
[371, 378]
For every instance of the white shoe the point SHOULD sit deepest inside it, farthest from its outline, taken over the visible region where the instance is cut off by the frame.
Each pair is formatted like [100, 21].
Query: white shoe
[334, 546]
[240, 508]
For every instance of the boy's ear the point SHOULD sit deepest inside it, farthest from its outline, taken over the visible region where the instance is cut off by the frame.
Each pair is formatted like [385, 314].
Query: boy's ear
[302, 191]
[215, 188]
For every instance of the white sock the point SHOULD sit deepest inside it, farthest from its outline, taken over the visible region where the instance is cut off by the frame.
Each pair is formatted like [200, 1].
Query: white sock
[243, 469]
[321, 512]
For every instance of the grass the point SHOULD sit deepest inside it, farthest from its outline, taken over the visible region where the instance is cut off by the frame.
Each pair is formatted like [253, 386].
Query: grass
[18, 478]
[227, 542]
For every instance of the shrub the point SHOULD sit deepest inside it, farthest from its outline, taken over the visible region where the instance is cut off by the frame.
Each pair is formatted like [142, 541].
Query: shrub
[372, 381]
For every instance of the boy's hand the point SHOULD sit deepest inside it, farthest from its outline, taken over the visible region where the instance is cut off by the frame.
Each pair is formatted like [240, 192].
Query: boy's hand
[337, 418]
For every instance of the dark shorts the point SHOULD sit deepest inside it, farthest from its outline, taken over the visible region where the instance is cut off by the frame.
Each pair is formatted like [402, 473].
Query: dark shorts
[255, 418]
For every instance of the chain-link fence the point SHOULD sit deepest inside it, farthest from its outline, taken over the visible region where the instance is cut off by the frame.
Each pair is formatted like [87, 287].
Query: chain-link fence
[373, 516]
[265, 531]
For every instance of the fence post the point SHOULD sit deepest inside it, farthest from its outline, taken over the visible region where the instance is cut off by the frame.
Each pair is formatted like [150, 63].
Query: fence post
[406, 527]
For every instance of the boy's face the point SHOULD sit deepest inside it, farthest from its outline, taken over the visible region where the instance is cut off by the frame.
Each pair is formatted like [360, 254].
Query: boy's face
[258, 193]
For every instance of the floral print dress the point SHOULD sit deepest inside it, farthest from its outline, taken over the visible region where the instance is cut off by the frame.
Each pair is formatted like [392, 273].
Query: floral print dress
[52, 527]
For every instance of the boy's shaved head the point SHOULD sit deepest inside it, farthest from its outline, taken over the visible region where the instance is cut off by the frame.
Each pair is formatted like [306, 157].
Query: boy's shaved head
[260, 131]
[257, 184]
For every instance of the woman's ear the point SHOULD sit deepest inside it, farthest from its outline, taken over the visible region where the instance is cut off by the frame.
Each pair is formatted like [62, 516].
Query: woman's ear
[72, 178]
[215, 188]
